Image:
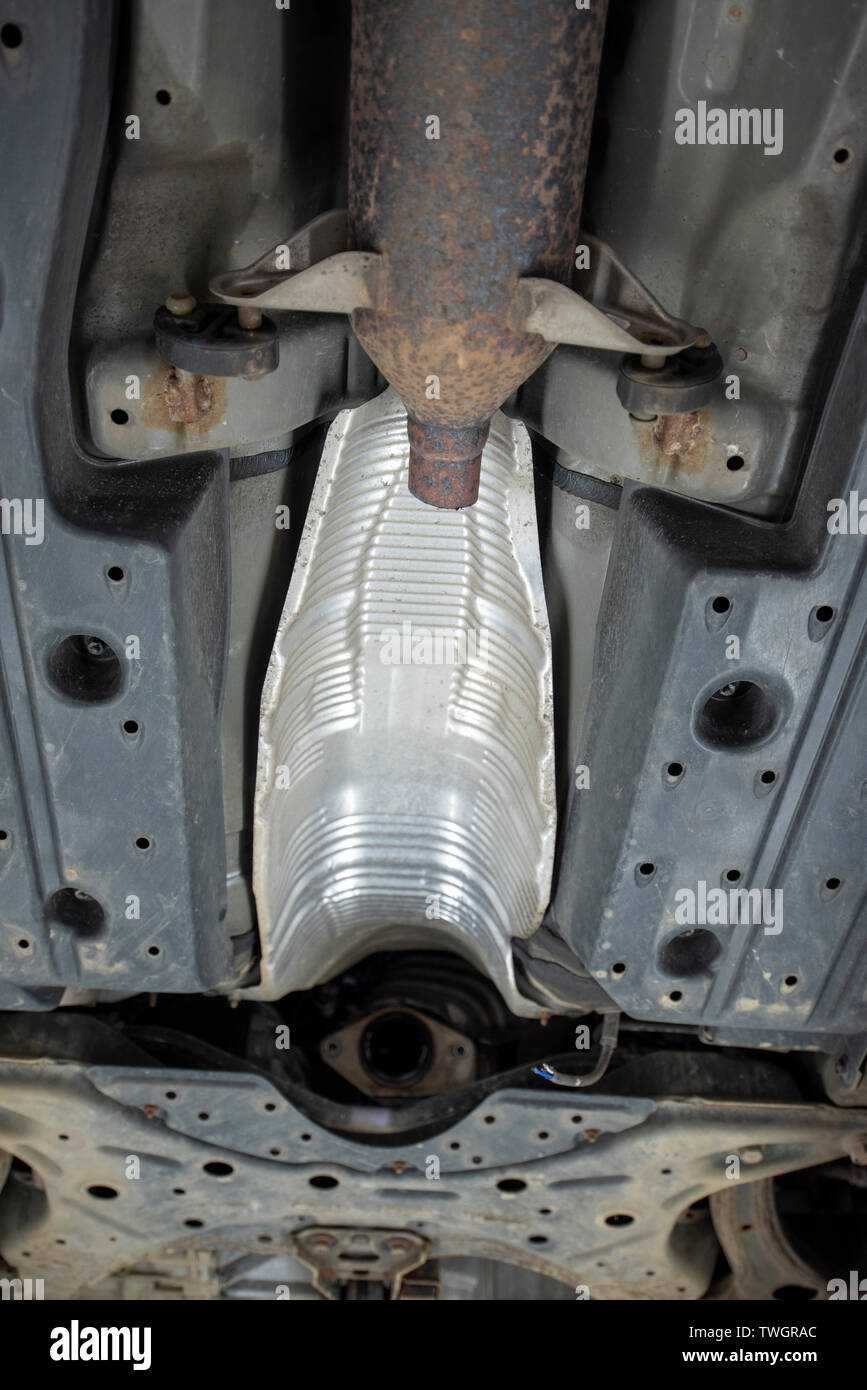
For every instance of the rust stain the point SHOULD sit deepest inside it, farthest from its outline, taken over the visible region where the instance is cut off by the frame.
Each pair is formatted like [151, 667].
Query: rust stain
[673, 443]
[399, 1165]
[591, 1135]
[678, 434]
[189, 398]
[179, 401]
[151, 1110]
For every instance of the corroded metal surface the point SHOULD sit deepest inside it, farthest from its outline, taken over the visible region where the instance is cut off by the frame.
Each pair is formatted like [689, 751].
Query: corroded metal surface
[470, 123]
[405, 792]
[445, 464]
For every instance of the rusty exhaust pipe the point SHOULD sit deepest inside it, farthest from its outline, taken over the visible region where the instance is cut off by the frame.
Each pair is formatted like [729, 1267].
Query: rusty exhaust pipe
[469, 131]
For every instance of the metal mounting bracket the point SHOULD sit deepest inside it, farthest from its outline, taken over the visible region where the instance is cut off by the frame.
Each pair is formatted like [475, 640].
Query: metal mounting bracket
[313, 271]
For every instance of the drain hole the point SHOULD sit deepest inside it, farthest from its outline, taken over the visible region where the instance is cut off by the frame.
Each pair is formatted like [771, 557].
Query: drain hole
[84, 669]
[691, 953]
[102, 1192]
[218, 1170]
[323, 1181]
[736, 715]
[11, 37]
[511, 1185]
[72, 907]
[619, 1218]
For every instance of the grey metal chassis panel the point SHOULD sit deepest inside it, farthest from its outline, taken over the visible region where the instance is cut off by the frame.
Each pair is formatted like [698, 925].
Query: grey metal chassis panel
[661, 652]
[76, 791]
[758, 249]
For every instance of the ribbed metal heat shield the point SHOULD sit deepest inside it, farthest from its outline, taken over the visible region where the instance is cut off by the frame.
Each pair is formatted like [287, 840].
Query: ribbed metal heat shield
[405, 787]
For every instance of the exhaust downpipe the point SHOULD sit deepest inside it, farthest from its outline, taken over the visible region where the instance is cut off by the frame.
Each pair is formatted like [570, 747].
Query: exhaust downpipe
[469, 132]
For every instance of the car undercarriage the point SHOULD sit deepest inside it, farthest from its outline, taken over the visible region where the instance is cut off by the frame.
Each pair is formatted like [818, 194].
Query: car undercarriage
[433, 754]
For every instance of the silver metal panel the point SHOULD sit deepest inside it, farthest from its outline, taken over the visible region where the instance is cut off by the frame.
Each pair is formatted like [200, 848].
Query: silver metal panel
[405, 793]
